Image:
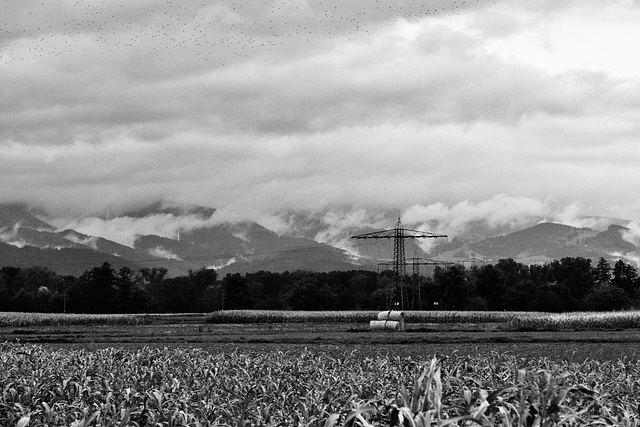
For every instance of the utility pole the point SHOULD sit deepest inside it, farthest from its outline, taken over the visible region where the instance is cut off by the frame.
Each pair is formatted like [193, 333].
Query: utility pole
[399, 295]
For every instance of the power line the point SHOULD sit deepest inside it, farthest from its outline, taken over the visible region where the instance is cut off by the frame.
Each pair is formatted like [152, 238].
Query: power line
[399, 294]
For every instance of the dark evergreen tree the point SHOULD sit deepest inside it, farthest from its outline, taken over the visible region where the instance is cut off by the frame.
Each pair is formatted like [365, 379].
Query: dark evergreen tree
[625, 276]
[602, 272]
[96, 291]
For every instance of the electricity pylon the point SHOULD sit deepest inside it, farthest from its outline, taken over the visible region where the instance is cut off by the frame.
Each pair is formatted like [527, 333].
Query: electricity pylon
[416, 263]
[399, 296]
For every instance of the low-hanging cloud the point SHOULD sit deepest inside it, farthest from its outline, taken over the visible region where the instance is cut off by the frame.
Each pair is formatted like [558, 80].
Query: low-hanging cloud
[90, 241]
[500, 214]
[499, 211]
[632, 233]
[126, 229]
[162, 252]
[10, 236]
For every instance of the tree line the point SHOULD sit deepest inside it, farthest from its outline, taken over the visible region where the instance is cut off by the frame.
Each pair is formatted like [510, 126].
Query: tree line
[568, 284]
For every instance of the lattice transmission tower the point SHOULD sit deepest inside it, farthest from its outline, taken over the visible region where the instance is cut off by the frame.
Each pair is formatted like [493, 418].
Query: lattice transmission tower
[414, 286]
[399, 294]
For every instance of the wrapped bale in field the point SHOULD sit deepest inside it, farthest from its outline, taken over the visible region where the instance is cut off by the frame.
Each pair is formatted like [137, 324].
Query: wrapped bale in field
[384, 325]
[389, 316]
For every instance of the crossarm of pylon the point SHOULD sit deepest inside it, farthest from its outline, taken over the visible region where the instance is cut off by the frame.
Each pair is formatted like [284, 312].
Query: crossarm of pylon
[418, 261]
[384, 234]
[395, 233]
[430, 262]
[421, 234]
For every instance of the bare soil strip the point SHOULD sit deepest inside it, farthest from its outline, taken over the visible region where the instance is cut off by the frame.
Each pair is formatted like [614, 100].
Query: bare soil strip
[437, 339]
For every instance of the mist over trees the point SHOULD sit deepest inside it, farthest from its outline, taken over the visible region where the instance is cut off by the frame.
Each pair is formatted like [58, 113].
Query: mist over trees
[568, 284]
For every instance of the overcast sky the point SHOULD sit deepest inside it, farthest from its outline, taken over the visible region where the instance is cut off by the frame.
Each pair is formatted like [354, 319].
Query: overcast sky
[486, 108]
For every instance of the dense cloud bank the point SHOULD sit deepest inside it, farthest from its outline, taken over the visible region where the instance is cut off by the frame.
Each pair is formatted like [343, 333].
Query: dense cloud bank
[273, 106]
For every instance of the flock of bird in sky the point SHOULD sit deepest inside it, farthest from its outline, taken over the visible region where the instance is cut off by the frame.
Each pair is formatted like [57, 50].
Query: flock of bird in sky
[213, 31]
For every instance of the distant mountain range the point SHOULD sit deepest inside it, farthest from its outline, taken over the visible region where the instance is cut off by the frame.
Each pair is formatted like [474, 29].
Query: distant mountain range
[182, 238]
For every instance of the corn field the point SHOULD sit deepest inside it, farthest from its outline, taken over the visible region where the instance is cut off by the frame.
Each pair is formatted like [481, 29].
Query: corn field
[599, 320]
[516, 320]
[511, 319]
[280, 316]
[326, 387]
[11, 319]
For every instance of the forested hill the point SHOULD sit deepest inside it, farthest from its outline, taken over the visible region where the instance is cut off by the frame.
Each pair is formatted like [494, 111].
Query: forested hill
[187, 238]
[568, 284]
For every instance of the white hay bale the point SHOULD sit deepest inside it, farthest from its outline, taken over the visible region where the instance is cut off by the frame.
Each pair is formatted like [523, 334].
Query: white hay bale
[391, 315]
[396, 316]
[384, 325]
